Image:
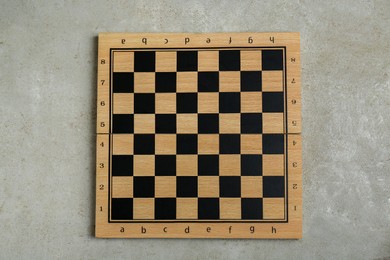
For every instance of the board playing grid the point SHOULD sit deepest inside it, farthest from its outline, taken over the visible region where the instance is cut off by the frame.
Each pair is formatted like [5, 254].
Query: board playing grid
[199, 136]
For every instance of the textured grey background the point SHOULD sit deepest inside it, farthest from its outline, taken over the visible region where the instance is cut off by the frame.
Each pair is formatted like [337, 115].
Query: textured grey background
[47, 111]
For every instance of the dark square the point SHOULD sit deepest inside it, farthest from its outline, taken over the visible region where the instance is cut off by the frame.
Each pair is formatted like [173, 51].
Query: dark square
[187, 61]
[208, 123]
[187, 186]
[273, 143]
[144, 61]
[208, 165]
[208, 81]
[165, 82]
[123, 82]
[186, 102]
[122, 165]
[144, 103]
[165, 123]
[144, 144]
[229, 102]
[251, 123]
[251, 165]
[122, 123]
[251, 208]
[187, 144]
[121, 209]
[143, 186]
[272, 59]
[229, 60]
[230, 186]
[229, 144]
[165, 165]
[273, 186]
[208, 208]
[165, 208]
[273, 102]
[251, 81]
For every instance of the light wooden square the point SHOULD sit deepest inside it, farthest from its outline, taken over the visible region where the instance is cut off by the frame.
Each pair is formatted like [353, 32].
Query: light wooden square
[251, 60]
[123, 103]
[229, 165]
[251, 186]
[230, 208]
[186, 165]
[229, 123]
[229, 81]
[272, 80]
[122, 187]
[208, 143]
[165, 186]
[165, 144]
[208, 186]
[165, 103]
[166, 61]
[251, 102]
[187, 82]
[273, 208]
[187, 123]
[208, 60]
[273, 165]
[143, 208]
[144, 82]
[186, 208]
[143, 165]
[122, 144]
[208, 102]
[144, 123]
[273, 123]
[123, 61]
[251, 144]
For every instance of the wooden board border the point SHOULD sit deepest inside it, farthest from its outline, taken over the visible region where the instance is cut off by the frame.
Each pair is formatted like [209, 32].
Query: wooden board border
[291, 229]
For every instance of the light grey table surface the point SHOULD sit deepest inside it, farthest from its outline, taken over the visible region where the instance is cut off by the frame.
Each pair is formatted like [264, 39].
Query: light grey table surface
[47, 96]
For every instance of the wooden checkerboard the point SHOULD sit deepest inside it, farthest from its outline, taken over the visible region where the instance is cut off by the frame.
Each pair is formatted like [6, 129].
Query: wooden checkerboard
[198, 136]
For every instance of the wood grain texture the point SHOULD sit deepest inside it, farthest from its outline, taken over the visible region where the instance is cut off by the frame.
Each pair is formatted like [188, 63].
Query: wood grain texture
[281, 217]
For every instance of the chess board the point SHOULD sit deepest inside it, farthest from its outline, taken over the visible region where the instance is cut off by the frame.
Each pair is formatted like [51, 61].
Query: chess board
[198, 136]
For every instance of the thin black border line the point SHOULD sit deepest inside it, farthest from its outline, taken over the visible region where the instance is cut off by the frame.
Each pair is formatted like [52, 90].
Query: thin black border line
[286, 177]
[195, 221]
[109, 139]
[112, 50]
[286, 141]
[197, 48]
